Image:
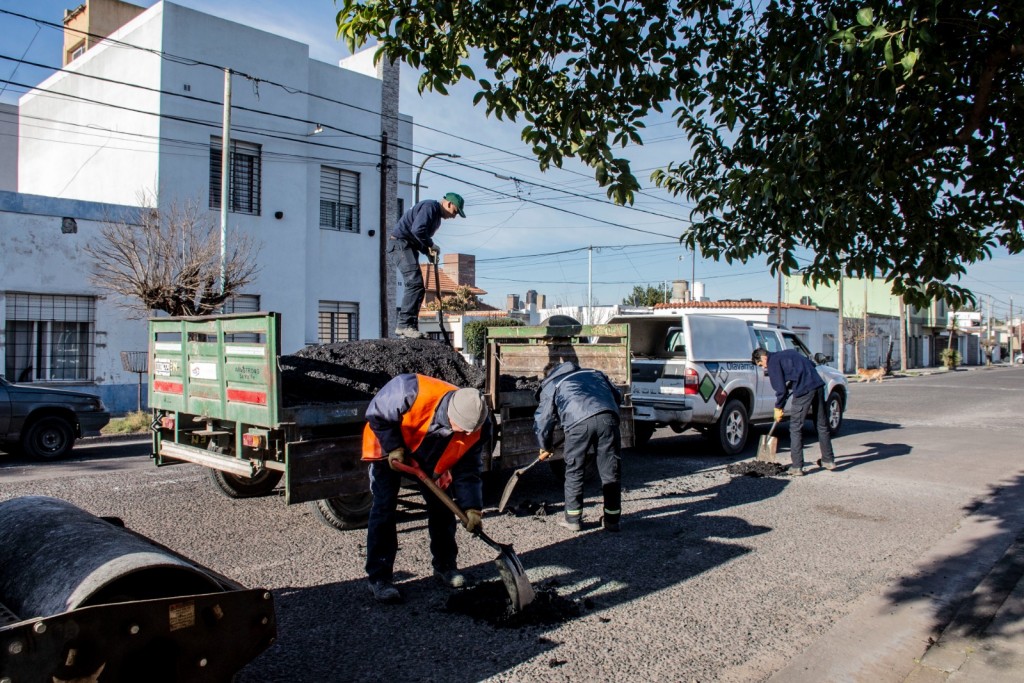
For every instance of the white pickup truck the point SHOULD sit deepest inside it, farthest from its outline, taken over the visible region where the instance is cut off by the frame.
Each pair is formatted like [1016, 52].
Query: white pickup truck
[694, 371]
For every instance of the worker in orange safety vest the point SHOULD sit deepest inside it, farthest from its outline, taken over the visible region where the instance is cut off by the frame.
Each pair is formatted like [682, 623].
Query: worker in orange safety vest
[443, 429]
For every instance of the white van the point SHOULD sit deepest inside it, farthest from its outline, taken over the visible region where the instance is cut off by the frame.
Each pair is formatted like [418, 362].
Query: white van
[694, 371]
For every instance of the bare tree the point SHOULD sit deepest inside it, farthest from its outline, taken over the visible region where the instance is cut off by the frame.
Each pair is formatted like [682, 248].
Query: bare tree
[461, 301]
[170, 261]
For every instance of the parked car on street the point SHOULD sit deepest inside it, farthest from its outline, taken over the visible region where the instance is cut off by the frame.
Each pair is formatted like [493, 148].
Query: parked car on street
[44, 423]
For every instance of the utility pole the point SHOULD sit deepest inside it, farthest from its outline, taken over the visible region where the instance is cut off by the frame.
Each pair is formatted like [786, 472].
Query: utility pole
[904, 361]
[590, 284]
[840, 340]
[225, 178]
[383, 230]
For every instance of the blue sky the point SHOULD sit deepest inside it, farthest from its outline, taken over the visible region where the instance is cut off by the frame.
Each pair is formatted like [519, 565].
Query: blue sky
[519, 245]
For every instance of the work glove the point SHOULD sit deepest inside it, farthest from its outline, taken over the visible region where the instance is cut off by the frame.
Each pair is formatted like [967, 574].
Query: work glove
[778, 414]
[433, 253]
[397, 455]
[443, 480]
[473, 523]
[544, 455]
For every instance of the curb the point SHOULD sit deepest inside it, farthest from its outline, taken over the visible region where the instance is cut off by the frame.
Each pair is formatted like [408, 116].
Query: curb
[141, 437]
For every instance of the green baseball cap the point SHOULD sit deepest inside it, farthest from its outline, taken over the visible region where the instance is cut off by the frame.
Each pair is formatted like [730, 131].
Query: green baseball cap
[457, 201]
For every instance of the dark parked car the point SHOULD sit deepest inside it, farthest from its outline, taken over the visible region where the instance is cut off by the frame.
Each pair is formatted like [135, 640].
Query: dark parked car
[44, 423]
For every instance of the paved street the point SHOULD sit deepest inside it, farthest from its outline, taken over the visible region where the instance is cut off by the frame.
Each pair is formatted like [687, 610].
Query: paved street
[837, 576]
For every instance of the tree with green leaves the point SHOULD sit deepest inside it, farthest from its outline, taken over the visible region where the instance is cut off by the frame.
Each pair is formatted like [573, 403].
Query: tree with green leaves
[646, 296]
[886, 138]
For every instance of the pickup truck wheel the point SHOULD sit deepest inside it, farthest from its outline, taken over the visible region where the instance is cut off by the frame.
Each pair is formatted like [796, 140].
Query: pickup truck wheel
[733, 428]
[834, 405]
[642, 433]
[49, 438]
[234, 486]
[344, 512]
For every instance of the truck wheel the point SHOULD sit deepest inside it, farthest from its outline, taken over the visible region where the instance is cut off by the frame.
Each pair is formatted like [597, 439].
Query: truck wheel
[834, 405]
[234, 486]
[642, 433]
[733, 428]
[49, 438]
[344, 512]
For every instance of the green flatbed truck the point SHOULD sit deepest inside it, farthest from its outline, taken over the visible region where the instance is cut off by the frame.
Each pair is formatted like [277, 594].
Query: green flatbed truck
[215, 389]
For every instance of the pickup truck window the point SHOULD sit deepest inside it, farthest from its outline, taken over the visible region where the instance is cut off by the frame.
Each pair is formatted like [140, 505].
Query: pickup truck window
[767, 340]
[793, 342]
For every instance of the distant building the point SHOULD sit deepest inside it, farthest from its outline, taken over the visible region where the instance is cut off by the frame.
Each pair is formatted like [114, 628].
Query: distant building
[8, 147]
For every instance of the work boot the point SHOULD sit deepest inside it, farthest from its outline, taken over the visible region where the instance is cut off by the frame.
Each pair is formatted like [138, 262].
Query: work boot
[827, 464]
[384, 591]
[570, 524]
[610, 523]
[409, 333]
[452, 578]
[795, 471]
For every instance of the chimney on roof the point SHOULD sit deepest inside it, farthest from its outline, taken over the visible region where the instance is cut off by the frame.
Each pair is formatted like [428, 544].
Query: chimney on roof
[512, 302]
[460, 267]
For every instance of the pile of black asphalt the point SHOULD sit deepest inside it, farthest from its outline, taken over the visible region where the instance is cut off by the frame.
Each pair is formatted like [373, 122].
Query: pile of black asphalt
[357, 370]
[489, 601]
[755, 468]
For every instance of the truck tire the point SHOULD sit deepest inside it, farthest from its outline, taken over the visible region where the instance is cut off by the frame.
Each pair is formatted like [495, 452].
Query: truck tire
[733, 428]
[642, 433]
[234, 486]
[48, 438]
[834, 406]
[344, 512]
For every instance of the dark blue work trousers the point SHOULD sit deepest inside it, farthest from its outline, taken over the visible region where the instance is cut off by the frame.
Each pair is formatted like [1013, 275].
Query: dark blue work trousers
[406, 260]
[382, 534]
[594, 438]
[799, 409]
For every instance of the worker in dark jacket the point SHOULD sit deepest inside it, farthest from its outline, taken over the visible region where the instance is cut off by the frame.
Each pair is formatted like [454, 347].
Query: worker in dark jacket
[413, 235]
[586, 405]
[793, 373]
[442, 428]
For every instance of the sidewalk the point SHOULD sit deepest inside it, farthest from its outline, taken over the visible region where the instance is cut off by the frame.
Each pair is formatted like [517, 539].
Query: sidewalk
[984, 643]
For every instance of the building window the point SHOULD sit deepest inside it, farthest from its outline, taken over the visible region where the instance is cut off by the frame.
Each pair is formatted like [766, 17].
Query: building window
[338, 321]
[339, 200]
[245, 176]
[401, 208]
[243, 303]
[49, 338]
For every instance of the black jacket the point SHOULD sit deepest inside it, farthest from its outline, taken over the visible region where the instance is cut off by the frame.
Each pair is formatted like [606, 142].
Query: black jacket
[569, 395]
[793, 369]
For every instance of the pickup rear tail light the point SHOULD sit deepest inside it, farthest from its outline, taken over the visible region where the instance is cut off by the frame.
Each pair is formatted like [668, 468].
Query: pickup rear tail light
[691, 380]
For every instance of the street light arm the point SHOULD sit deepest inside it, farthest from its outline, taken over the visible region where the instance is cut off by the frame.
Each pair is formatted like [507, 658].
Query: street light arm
[424, 163]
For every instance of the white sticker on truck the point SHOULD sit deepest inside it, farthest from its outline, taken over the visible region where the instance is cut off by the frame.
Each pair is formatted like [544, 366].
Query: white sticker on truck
[201, 370]
[674, 391]
[162, 367]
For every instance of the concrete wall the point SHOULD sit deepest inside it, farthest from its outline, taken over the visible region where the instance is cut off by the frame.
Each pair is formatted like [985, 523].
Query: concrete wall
[39, 254]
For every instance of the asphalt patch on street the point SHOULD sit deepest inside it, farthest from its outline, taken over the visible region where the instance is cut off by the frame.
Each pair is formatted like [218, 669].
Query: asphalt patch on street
[755, 468]
[489, 602]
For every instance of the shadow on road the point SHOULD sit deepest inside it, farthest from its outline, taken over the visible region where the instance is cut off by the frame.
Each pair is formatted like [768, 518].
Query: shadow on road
[336, 632]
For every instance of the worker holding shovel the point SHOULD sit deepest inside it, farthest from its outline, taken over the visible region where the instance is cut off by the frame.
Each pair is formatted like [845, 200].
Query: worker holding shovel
[586, 404]
[425, 423]
[793, 373]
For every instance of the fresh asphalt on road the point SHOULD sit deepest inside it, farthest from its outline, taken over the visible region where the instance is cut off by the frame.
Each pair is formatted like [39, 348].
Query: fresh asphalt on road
[838, 576]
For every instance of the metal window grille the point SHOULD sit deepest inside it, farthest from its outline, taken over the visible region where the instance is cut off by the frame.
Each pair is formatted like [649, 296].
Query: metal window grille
[49, 337]
[337, 321]
[339, 199]
[243, 303]
[245, 174]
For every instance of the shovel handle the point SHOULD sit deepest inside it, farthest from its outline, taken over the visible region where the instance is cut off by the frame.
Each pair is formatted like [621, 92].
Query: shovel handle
[415, 471]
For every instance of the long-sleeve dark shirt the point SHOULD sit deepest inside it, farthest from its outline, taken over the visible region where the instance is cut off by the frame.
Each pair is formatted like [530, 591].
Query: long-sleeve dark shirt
[418, 225]
[569, 395]
[791, 372]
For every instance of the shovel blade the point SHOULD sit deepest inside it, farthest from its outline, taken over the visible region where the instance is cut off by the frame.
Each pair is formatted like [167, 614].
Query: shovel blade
[767, 448]
[520, 590]
[509, 487]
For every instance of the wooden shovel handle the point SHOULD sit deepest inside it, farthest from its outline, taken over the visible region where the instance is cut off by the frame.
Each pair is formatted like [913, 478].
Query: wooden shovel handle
[415, 471]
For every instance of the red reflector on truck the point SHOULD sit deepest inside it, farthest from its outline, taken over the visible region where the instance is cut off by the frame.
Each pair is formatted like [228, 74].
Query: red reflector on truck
[690, 382]
[257, 397]
[252, 440]
[167, 387]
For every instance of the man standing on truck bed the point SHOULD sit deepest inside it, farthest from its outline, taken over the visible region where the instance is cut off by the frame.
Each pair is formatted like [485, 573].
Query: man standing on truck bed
[586, 404]
[442, 428]
[791, 372]
[412, 236]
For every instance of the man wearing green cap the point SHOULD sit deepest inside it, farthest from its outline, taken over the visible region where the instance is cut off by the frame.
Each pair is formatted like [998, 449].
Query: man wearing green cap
[410, 237]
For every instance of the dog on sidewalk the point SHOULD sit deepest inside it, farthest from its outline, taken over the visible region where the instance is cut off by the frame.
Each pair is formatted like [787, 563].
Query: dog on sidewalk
[868, 375]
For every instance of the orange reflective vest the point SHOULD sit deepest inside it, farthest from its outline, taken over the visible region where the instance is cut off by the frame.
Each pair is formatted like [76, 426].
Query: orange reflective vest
[416, 422]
